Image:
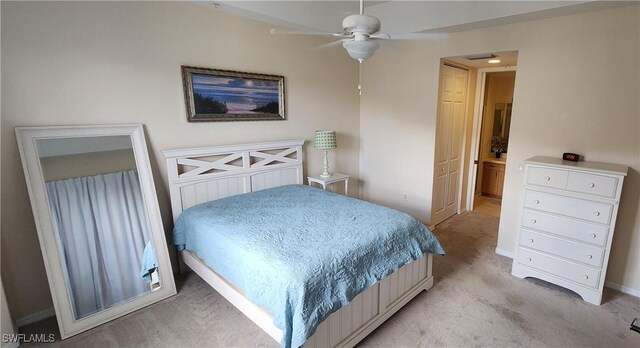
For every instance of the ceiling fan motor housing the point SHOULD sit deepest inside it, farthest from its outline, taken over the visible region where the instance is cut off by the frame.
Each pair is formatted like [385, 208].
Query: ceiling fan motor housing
[361, 24]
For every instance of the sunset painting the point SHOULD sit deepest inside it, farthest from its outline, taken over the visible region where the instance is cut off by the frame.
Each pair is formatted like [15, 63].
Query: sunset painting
[218, 96]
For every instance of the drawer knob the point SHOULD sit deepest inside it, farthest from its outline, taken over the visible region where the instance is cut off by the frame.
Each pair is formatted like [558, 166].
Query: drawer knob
[589, 256]
[592, 185]
[528, 259]
[442, 169]
[596, 213]
[547, 178]
[533, 221]
[593, 235]
[530, 240]
[535, 201]
[585, 277]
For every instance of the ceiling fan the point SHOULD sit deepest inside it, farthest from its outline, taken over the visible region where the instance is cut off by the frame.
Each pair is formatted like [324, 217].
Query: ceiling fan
[361, 36]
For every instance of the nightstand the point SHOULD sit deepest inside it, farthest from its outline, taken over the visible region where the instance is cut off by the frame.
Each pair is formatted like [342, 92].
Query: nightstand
[336, 177]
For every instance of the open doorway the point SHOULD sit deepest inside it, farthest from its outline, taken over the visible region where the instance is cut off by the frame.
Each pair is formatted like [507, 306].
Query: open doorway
[463, 149]
[493, 145]
[459, 154]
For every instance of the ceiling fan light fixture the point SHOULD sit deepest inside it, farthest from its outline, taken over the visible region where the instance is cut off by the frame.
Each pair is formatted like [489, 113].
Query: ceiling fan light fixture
[361, 49]
[493, 61]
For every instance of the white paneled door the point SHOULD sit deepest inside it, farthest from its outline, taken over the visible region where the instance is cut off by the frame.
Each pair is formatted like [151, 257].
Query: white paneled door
[448, 150]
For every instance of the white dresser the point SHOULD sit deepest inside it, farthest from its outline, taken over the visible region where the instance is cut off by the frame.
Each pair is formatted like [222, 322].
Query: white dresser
[568, 218]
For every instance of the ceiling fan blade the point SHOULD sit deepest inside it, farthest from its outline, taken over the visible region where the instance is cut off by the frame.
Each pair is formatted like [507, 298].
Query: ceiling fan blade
[410, 36]
[380, 35]
[276, 31]
[332, 43]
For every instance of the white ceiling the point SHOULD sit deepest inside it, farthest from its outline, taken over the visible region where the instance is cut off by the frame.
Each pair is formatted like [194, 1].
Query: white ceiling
[404, 16]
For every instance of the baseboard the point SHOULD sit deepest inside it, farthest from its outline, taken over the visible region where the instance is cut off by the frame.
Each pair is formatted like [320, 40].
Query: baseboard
[504, 253]
[621, 288]
[35, 317]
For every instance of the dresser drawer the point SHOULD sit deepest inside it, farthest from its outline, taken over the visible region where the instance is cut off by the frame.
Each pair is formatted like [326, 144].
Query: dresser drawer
[583, 253]
[584, 275]
[594, 184]
[547, 177]
[570, 228]
[571, 207]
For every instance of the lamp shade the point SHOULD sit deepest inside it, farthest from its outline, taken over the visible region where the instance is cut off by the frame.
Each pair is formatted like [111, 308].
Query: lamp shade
[325, 139]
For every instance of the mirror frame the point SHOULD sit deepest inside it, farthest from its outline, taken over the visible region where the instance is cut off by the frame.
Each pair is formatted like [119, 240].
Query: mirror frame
[68, 325]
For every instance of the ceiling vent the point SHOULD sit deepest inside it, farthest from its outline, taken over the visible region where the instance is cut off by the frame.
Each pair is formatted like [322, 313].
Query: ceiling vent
[480, 56]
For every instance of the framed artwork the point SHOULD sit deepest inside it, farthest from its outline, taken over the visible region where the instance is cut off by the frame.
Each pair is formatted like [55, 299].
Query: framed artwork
[222, 95]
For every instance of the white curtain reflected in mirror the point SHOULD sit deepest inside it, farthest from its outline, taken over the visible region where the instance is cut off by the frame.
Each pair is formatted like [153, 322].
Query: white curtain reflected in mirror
[98, 221]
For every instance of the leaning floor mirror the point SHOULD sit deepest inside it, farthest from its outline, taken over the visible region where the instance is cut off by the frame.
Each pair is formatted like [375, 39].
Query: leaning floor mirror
[98, 221]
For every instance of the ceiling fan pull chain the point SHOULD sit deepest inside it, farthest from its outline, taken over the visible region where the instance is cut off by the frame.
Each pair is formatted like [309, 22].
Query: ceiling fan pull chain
[360, 76]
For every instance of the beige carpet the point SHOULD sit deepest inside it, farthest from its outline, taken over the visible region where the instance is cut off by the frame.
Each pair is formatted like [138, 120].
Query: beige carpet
[474, 303]
[487, 205]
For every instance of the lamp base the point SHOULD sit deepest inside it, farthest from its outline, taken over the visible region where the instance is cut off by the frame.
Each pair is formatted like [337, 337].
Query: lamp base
[325, 168]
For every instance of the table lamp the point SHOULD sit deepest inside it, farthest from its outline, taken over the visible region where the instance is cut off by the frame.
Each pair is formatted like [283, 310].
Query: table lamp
[325, 140]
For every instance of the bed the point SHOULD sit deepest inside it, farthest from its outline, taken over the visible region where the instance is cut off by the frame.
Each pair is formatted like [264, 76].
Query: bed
[230, 187]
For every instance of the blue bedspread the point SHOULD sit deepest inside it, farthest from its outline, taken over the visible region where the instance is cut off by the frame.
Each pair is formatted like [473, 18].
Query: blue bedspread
[149, 262]
[301, 252]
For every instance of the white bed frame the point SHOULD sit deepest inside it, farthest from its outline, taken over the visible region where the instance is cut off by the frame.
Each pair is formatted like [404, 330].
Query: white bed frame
[202, 174]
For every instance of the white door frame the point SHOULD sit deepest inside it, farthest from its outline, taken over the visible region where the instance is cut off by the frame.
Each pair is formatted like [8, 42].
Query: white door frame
[477, 128]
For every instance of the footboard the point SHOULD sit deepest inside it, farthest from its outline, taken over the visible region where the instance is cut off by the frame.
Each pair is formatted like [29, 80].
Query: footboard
[352, 323]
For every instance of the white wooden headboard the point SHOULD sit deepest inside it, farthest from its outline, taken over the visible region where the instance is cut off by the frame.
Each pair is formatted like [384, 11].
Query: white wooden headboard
[199, 175]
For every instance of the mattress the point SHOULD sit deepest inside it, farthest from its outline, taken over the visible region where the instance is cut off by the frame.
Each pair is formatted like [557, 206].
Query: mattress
[301, 252]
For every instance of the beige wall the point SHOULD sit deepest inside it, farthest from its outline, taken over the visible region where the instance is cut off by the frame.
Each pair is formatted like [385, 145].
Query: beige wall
[577, 89]
[99, 63]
